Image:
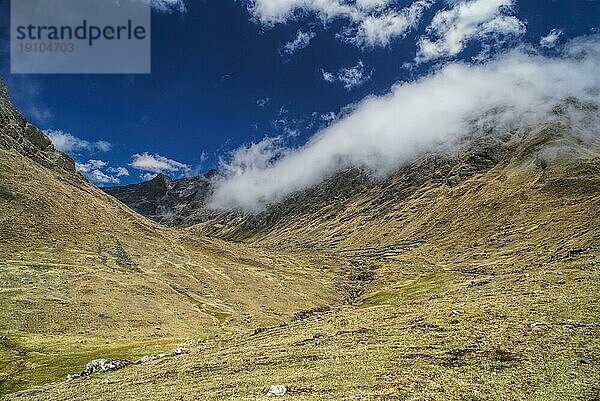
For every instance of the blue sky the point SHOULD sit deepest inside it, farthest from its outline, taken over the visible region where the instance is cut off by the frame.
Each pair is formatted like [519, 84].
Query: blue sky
[227, 73]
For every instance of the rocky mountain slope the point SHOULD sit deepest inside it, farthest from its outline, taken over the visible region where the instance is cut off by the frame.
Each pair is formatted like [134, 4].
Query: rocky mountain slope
[465, 275]
[167, 201]
[545, 177]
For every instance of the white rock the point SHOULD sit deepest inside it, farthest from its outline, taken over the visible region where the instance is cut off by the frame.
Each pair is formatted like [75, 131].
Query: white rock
[276, 390]
[70, 378]
[104, 365]
[144, 359]
[180, 351]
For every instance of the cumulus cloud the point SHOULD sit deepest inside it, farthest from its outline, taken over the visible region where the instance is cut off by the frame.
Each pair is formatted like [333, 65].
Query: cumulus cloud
[257, 156]
[350, 77]
[94, 171]
[550, 40]
[69, 143]
[514, 90]
[451, 29]
[301, 40]
[372, 22]
[378, 30]
[157, 164]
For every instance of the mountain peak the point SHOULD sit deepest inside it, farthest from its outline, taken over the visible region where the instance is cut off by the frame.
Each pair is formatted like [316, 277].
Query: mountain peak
[211, 173]
[162, 178]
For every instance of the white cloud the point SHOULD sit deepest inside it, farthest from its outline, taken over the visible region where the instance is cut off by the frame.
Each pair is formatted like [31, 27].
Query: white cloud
[515, 90]
[148, 176]
[372, 22]
[301, 40]
[93, 171]
[354, 76]
[68, 143]
[378, 30]
[270, 12]
[263, 102]
[370, 5]
[119, 171]
[451, 29]
[99, 177]
[256, 156]
[328, 76]
[286, 126]
[158, 164]
[351, 77]
[328, 118]
[550, 40]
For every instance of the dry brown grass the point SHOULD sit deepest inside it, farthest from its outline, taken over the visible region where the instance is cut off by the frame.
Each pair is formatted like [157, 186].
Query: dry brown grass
[490, 352]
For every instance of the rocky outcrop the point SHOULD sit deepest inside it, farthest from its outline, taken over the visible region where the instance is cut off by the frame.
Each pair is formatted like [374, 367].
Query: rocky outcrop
[109, 365]
[104, 365]
[18, 134]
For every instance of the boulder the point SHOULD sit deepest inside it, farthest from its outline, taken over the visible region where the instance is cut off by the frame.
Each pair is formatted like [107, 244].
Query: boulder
[277, 390]
[180, 351]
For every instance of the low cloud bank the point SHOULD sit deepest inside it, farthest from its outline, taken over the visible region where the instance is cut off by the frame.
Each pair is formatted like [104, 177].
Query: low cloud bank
[383, 132]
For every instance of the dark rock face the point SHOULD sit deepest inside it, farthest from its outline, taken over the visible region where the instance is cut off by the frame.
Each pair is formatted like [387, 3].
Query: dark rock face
[17, 134]
[167, 201]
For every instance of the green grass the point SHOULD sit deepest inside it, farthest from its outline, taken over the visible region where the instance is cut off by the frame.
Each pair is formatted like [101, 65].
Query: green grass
[429, 284]
[31, 360]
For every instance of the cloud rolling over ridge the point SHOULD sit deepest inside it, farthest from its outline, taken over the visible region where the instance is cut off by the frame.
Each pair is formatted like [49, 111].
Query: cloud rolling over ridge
[383, 132]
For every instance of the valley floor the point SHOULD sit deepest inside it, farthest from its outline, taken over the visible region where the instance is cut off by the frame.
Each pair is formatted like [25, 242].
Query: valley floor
[417, 333]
